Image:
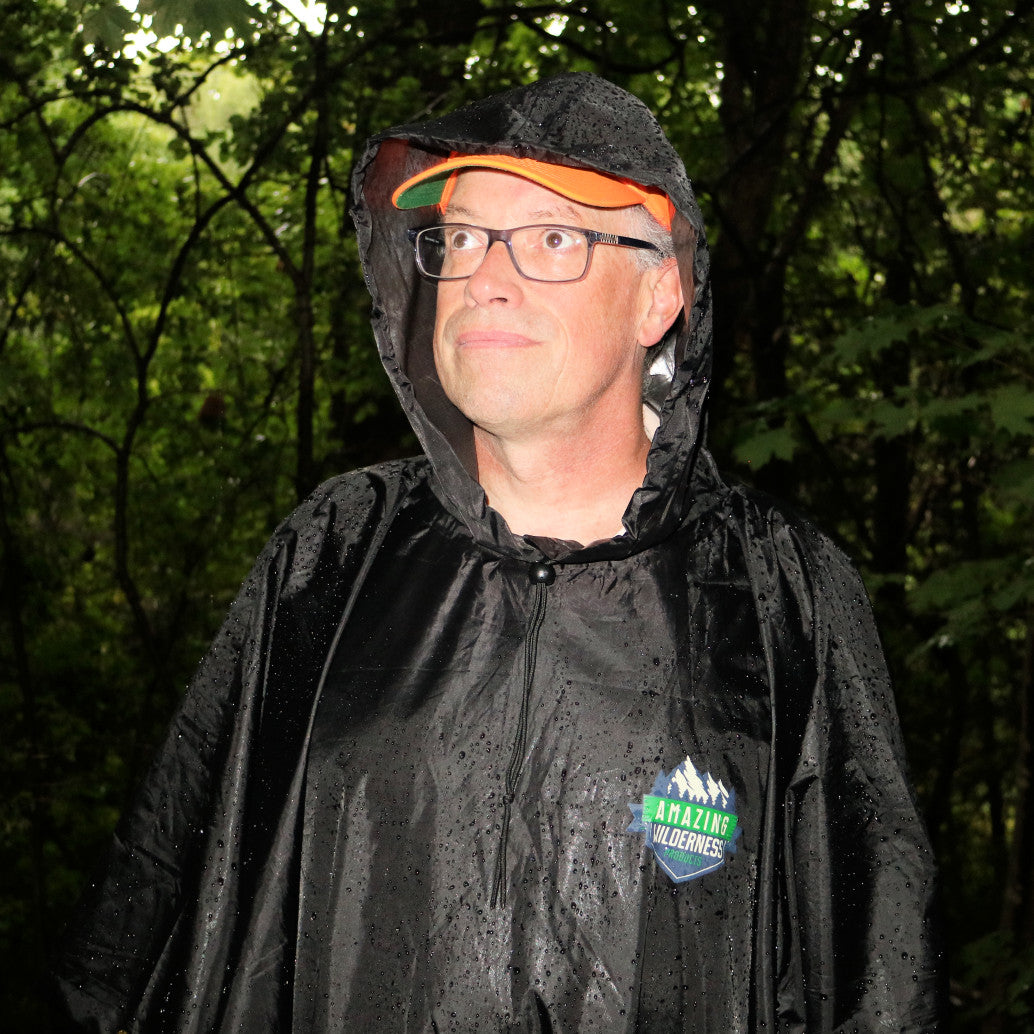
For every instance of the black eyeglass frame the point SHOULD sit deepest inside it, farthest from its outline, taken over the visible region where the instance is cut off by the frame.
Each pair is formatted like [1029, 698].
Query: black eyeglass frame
[593, 237]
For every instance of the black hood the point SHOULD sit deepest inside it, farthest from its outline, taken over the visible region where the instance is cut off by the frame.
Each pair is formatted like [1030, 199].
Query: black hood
[575, 119]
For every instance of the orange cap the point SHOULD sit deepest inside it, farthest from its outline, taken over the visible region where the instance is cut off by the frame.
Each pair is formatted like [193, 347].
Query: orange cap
[434, 185]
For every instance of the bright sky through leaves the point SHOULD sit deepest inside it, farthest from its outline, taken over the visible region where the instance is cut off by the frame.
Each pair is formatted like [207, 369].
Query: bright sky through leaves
[308, 14]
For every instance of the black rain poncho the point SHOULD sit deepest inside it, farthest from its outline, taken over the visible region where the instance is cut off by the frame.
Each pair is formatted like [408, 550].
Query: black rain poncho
[435, 777]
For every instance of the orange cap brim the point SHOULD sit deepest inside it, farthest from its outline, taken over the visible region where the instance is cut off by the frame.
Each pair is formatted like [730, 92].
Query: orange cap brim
[434, 185]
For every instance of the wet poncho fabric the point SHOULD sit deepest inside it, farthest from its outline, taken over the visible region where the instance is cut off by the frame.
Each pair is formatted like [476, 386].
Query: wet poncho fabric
[433, 776]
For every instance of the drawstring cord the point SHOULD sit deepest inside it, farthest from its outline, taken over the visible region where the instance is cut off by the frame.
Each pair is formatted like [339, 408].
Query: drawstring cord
[513, 770]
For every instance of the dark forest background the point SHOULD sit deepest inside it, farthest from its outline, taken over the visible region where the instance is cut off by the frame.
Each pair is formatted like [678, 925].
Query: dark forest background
[185, 351]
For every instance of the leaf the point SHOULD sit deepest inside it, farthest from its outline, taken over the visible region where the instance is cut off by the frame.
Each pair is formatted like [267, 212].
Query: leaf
[878, 333]
[956, 417]
[761, 448]
[1018, 590]
[198, 17]
[950, 587]
[1015, 481]
[108, 24]
[870, 337]
[1012, 408]
[889, 419]
[993, 343]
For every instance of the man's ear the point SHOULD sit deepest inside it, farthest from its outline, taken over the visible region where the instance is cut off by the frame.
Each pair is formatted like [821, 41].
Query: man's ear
[662, 304]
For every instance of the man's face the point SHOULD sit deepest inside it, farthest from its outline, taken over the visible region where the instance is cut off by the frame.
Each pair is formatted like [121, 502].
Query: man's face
[521, 358]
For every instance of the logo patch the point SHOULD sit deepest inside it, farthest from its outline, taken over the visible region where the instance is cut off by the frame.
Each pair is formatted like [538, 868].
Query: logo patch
[689, 820]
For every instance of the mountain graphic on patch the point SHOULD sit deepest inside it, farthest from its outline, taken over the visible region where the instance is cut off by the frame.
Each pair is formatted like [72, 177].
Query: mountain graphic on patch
[689, 820]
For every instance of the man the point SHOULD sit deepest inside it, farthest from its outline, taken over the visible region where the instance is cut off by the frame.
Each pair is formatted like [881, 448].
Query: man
[550, 730]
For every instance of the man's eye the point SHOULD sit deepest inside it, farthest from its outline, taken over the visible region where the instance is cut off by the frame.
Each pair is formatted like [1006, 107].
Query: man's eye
[461, 240]
[554, 239]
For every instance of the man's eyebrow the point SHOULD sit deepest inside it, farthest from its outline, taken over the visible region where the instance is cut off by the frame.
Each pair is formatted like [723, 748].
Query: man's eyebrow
[458, 210]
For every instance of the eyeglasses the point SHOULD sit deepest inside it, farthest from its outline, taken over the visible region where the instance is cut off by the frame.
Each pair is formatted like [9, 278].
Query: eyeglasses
[547, 253]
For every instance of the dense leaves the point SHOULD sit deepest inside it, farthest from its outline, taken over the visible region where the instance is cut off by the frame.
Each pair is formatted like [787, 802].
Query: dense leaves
[184, 351]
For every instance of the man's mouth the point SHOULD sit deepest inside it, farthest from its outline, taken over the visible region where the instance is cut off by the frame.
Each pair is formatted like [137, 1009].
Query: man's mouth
[493, 339]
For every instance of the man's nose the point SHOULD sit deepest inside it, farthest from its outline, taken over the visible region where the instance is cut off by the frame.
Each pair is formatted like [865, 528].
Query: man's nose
[495, 280]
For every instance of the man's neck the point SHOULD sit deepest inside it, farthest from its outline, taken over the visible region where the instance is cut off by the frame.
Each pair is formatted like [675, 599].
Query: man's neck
[563, 487]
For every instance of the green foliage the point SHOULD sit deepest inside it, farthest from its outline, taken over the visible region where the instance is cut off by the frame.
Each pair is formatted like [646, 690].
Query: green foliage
[184, 350]
[1006, 970]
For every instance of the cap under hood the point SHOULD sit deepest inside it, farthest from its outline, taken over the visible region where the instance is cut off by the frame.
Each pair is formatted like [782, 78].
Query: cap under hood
[575, 119]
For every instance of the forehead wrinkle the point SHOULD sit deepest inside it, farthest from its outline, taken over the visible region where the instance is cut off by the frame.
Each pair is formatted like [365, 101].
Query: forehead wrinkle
[561, 209]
